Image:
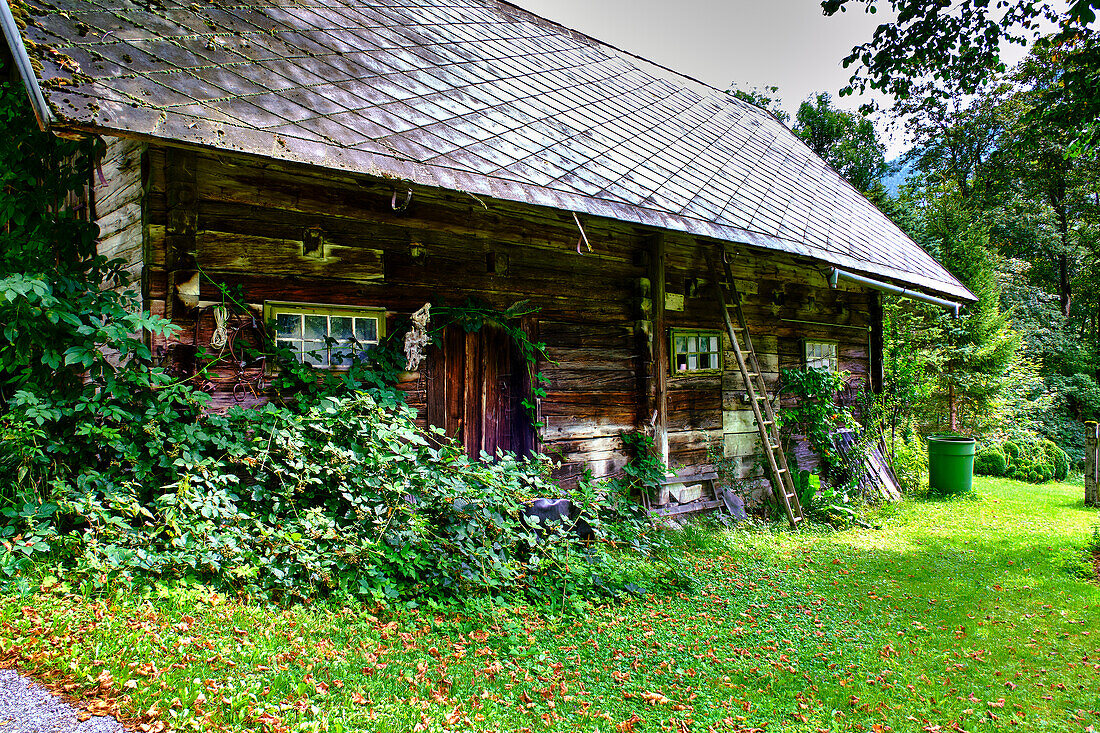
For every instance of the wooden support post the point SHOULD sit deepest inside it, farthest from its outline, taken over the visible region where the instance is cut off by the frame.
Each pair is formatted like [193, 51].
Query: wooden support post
[660, 344]
[1092, 464]
[875, 341]
[183, 221]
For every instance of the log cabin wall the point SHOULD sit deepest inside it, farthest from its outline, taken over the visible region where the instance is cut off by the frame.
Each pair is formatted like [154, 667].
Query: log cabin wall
[251, 220]
[785, 305]
[246, 222]
[117, 197]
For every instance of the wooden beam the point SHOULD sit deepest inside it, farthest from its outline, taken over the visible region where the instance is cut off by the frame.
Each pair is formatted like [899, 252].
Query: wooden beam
[695, 506]
[658, 253]
[1092, 464]
[875, 347]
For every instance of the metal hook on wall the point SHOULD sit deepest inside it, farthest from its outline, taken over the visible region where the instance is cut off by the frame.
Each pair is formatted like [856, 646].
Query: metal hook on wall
[403, 207]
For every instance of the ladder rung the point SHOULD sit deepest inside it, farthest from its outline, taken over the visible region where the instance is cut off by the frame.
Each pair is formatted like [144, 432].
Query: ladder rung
[774, 447]
[798, 518]
[780, 470]
[790, 496]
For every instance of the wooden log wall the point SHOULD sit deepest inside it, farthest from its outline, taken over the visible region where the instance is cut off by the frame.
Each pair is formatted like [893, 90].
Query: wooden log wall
[285, 233]
[785, 304]
[117, 198]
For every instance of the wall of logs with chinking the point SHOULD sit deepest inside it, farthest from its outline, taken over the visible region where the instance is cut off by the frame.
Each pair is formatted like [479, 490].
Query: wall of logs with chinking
[283, 233]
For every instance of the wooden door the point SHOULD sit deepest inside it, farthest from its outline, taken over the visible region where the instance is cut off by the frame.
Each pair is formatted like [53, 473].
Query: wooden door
[477, 383]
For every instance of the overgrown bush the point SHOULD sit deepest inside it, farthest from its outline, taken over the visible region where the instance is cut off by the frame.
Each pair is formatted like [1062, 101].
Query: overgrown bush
[910, 461]
[1027, 459]
[346, 497]
[990, 461]
[1056, 457]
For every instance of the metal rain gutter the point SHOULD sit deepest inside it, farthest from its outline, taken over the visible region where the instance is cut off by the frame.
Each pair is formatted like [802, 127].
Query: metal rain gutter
[837, 274]
[23, 63]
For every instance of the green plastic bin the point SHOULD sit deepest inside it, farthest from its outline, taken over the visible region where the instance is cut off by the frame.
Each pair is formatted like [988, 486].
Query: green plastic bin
[950, 464]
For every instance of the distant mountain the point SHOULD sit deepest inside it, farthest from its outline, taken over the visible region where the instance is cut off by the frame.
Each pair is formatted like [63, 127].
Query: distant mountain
[901, 171]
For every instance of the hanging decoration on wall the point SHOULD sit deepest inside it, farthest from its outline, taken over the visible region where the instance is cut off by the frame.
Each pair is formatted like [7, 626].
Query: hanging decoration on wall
[584, 237]
[417, 338]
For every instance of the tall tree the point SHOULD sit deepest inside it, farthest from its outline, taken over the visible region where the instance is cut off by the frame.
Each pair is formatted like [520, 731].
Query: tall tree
[845, 140]
[1035, 153]
[955, 137]
[766, 98]
[935, 49]
[980, 347]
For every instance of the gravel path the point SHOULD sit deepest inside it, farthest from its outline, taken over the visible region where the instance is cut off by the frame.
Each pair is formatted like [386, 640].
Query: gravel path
[27, 708]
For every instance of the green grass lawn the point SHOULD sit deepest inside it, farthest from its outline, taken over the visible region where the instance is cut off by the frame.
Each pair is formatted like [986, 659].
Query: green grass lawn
[955, 615]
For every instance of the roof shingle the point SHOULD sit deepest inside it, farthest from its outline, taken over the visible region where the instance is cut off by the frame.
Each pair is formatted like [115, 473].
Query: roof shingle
[477, 91]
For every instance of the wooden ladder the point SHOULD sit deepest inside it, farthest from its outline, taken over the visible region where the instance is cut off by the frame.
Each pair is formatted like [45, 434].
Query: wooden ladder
[730, 300]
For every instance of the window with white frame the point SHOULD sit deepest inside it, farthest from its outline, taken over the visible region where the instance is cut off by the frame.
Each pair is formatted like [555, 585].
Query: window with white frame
[822, 355]
[696, 351]
[326, 336]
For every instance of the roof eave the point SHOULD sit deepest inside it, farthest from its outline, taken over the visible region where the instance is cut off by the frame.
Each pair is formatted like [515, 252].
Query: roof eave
[272, 147]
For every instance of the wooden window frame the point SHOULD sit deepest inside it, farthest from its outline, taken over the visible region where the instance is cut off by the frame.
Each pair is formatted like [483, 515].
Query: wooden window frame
[834, 367]
[675, 333]
[274, 308]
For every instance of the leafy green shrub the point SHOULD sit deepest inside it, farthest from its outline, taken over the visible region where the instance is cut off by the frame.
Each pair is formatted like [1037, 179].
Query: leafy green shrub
[345, 497]
[1057, 457]
[1035, 461]
[990, 462]
[910, 462]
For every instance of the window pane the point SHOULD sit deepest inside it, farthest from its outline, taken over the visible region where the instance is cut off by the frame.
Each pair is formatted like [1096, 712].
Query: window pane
[316, 327]
[316, 353]
[693, 343]
[681, 344]
[704, 361]
[295, 346]
[342, 357]
[366, 329]
[340, 328]
[693, 361]
[289, 325]
[714, 344]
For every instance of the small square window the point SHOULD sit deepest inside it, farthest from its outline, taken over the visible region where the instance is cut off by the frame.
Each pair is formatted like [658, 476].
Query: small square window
[822, 355]
[331, 337]
[696, 351]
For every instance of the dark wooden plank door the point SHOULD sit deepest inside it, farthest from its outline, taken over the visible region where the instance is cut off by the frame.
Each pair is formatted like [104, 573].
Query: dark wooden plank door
[477, 382]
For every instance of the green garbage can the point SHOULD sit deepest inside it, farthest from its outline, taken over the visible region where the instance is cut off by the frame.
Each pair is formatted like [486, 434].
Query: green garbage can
[950, 464]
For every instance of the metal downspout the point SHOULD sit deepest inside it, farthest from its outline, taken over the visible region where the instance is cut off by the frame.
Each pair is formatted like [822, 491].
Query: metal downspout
[23, 64]
[837, 274]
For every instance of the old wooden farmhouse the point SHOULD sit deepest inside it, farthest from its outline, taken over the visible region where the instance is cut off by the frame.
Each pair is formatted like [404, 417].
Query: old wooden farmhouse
[344, 162]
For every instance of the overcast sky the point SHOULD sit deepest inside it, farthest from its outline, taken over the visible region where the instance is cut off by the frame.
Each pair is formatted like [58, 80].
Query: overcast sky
[785, 43]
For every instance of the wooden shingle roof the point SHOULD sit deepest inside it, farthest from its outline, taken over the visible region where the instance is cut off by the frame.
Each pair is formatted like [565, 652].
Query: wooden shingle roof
[470, 95]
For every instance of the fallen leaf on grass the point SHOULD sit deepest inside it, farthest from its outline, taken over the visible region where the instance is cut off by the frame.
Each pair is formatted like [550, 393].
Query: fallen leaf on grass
[627, 726]
[654, 698]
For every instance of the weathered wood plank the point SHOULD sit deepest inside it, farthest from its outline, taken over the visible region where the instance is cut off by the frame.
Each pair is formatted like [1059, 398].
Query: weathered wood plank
[231, 252]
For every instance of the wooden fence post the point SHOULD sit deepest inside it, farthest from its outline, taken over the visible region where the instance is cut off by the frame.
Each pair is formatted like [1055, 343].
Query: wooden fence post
[1092, 465]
